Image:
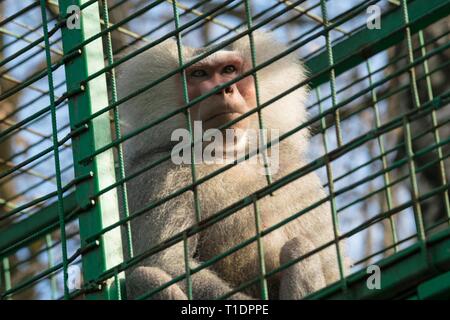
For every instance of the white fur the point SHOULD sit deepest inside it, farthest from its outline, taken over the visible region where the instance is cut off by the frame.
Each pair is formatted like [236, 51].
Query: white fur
[296, 238]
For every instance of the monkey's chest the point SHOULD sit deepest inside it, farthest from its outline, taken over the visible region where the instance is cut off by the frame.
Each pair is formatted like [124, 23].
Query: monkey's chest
[242, 260]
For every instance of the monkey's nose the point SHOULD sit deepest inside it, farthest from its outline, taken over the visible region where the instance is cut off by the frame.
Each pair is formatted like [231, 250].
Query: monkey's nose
[226, 90]
[229, 89]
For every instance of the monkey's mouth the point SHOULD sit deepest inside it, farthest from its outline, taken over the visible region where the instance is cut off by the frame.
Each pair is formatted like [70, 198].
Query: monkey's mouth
[226, 115]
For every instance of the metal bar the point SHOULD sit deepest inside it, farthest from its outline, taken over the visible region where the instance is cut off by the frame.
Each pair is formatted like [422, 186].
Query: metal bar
[94, 98]
[262, 138]
[118, 133]
[33, 223]
[267, 191]
[331, 190]
[59, 187]
[330, 55]
[384, 161]
[408, 136]
[19, 13]
[50, 263]
[20, 232]
[6, 274]
[366, 43]
[103, 210]
[187, 112]
[261, 259]
[434, 120]
[400, 272]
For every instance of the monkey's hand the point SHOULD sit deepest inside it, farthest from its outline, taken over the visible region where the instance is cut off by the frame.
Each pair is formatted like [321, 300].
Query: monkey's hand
[241, 296]
[304, 277]
[144, 279]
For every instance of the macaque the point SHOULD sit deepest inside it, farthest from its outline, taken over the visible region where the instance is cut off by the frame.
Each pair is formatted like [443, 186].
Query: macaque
[292, 240]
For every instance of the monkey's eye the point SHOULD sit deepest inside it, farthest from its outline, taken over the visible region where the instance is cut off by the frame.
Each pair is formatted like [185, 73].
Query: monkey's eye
[229, 69]
[199, 73]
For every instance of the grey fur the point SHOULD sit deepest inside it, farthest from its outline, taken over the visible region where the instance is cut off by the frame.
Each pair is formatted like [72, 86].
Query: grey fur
[292, 240]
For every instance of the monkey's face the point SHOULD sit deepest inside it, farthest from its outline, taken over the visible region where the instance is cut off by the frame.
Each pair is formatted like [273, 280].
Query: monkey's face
[230, 102]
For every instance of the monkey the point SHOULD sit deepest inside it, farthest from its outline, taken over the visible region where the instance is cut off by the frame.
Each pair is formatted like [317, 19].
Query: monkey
[290, 241]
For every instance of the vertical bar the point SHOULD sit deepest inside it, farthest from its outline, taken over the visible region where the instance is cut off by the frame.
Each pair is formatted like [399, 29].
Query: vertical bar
[186, 266]
[434, 120]
[332, 195]
[92, 96]
[387, 180]
[51, 263]
[188, 111]
[189, 126]
[337, 117]
[412, 72]
[62, 224]
[117, 285]
[415, 191]
[118, 134]
[248, 17]
[407, 127]
[6, 274]
[262, 265]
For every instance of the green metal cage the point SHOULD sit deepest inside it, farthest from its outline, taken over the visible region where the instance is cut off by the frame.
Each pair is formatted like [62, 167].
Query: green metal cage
[379, 119]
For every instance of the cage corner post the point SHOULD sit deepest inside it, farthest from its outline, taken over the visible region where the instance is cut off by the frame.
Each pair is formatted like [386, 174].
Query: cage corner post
[104, 250]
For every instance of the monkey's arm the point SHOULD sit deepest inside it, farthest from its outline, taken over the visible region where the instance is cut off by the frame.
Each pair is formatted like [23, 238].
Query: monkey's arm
[162, 268]
[160, 224]
[305, 276]
[206, 285]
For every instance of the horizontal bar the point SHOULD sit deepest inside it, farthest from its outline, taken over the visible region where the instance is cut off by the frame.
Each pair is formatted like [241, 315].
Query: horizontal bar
[366, 43]
[22, 231]
[401, 274]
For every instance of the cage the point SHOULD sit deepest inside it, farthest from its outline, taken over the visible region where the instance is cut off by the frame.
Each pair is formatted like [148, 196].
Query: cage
[377, 73]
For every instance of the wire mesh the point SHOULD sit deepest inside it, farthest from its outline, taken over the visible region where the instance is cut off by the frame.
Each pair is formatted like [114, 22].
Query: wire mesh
[378, 118]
